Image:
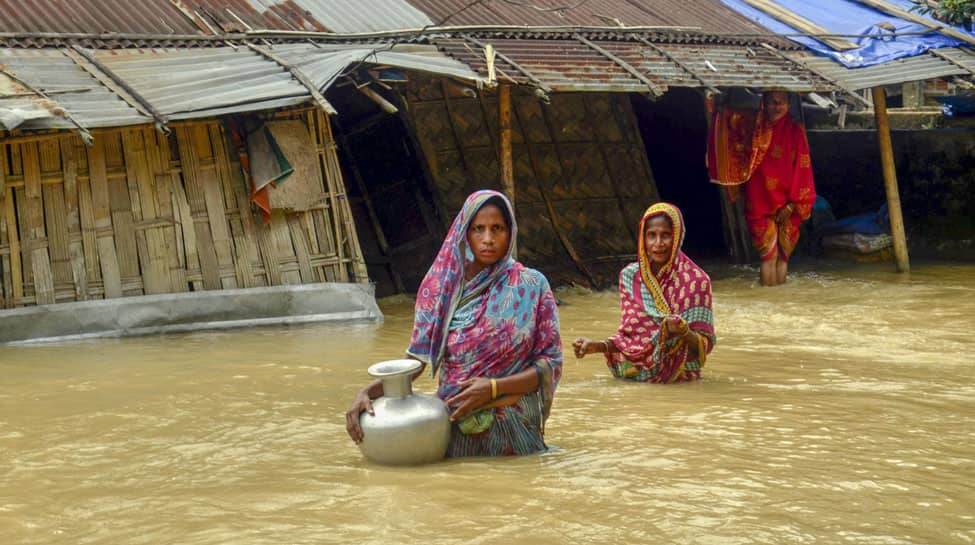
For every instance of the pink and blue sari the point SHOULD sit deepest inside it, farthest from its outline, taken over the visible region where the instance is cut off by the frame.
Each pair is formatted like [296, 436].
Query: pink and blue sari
[501, 322]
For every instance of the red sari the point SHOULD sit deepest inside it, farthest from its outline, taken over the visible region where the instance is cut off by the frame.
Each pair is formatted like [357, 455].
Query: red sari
[783, 177]
[773, 162]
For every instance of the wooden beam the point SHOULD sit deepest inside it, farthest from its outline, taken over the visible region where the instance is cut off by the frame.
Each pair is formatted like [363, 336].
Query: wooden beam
[86, 136]
[943, 28]
[890, 180]
[531, 77]
[116, 84]
[801, 24]
[504, 142]
[655, 89]
[316, 95]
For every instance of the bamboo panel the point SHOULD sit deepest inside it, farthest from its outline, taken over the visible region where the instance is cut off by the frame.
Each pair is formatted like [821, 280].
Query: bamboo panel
[256, 237]
[129, 216]
[193, 183]
[284, 247]
[43, 278]
[153, 258]
[102, 221]
[214, 202]
[579, 149]
[186, 233]
[9, 248]
[56, 229]
[242, 254]
[125, 235]
[58, 238]
[76, 251]
[300, 240]
[158, 161]
[323, 143]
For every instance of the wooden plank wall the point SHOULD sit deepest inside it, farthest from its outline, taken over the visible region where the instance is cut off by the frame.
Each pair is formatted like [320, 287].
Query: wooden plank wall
[142, 213]
[582, 179]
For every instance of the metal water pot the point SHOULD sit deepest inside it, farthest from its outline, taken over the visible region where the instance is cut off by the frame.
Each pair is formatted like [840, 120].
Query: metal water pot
[407, 428]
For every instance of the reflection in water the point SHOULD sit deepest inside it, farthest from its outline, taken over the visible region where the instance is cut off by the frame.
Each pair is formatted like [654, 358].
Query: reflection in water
[837, 409]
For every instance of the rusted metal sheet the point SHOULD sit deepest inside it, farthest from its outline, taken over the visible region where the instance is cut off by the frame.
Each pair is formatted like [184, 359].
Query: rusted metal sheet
[94, 16]
[570, 65]
[706, 15]
[69, 88]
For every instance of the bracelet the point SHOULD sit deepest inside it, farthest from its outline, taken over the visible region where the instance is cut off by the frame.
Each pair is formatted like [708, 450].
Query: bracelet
[494, 388]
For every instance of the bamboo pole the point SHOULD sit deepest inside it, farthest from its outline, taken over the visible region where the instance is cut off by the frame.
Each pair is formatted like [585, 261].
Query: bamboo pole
[890, 180]
[504, 144]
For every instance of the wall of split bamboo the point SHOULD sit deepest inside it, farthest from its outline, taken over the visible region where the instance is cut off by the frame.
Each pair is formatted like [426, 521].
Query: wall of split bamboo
[140, 213]
[581, 175]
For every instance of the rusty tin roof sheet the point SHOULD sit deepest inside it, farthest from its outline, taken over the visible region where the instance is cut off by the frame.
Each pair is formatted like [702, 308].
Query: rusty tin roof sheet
[573, 65]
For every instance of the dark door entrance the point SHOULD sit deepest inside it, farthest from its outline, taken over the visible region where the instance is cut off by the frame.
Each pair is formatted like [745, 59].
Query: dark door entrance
[389, 196]
[674, 130]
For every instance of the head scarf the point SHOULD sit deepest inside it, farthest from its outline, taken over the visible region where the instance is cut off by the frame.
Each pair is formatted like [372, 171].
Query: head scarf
[678, 288]
[443, 286]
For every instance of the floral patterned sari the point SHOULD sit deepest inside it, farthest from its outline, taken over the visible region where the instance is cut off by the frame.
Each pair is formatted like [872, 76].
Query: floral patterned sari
[646, 351]
[774, 160]
[500, 323]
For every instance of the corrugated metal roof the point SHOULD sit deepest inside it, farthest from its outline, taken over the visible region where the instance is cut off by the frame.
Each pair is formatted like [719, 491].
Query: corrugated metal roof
[185, 83]
[208, 17]
[94, 16]
[221, 16]
[964, 56]
[322, 63]
[921, 67]
[708, 15]
[351, 16]
[570, 65]
[69, 86]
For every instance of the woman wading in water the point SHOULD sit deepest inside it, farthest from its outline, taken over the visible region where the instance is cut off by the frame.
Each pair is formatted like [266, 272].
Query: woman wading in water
[666, 326]
[489, 326]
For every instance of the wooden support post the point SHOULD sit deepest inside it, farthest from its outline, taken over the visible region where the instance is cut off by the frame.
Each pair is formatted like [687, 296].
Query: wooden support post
[890, 180]
[504, 145]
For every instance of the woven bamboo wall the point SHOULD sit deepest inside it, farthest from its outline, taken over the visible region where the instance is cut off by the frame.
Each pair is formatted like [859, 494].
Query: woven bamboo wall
[582, 180]
[141, 213]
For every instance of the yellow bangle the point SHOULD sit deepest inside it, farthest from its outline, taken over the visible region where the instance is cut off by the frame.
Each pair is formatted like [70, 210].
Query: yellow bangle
[494, 388]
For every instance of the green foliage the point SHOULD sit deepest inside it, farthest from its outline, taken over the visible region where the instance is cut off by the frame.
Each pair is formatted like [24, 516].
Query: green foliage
[955, 12]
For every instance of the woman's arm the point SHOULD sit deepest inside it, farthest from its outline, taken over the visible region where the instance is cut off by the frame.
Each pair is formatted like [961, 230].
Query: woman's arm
[363, 403]
[478, 392]
[583, 346]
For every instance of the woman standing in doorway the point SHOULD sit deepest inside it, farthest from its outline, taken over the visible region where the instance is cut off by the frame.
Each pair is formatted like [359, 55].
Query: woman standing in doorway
[780, 194]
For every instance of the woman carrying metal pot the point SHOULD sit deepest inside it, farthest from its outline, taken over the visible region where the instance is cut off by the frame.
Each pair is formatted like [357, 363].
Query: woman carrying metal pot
[489, 328]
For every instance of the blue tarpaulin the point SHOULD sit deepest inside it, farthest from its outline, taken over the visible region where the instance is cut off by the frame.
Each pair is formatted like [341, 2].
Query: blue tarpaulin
[846, 17]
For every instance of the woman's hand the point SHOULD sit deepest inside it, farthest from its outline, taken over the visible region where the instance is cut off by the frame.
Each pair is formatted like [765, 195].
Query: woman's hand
[360, 404]
[583, 346]
[475, 393]
[675, 325]
[784, 214]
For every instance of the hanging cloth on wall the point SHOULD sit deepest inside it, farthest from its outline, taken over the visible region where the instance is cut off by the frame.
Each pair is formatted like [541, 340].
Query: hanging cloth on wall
[284, 163]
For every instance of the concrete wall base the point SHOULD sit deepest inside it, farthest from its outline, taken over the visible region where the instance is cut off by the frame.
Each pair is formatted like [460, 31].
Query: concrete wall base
[178, 312]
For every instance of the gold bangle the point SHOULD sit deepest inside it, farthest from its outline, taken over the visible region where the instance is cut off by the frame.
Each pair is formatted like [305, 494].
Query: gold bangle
[494, 388]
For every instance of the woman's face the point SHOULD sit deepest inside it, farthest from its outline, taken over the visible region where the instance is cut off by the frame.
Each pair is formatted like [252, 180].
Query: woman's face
[658, 239]
[776, 105]
[488, 235]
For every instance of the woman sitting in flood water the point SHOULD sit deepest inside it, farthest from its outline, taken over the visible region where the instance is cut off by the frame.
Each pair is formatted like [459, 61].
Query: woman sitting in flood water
[666, 327]
[490, 327]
